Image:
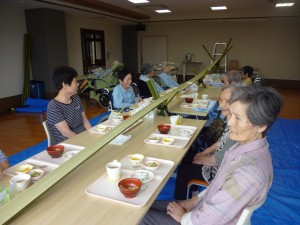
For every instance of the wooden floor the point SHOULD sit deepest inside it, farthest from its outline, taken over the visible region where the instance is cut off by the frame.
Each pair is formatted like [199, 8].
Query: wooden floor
[19, 131]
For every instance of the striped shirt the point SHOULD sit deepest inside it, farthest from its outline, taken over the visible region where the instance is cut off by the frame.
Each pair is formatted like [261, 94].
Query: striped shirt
[71, 113]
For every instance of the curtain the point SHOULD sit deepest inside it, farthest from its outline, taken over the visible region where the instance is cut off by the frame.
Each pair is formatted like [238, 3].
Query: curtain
[26, 86]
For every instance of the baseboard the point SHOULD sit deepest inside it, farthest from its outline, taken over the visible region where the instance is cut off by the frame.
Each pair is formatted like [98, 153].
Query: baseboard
[6, 104]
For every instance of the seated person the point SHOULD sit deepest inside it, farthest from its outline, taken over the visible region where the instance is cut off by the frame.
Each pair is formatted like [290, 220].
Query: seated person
[65, 113]
[166, 78]
[147, 72]
[232, 77]
[246, 74]
[123, 94]
[4, 164]
[205, 165]
[245, 174]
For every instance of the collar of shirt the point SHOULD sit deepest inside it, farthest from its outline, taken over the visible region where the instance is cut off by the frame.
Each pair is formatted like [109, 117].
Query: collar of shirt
[144, 78]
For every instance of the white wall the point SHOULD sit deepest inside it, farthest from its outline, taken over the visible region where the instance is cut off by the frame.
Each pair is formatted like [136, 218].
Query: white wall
[12, 28]
[113, 39]
[271, 46]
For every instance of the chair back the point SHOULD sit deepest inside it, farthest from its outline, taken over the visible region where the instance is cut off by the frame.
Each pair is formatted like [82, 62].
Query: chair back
[245, 218]
[47, 131]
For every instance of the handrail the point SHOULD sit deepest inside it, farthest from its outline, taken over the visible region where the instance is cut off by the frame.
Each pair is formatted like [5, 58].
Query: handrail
[9, 210]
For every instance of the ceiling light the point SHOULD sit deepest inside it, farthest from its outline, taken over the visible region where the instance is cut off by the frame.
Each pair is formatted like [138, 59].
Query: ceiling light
[284, 4]
[138, 1]
[218, 8]
[162, 11]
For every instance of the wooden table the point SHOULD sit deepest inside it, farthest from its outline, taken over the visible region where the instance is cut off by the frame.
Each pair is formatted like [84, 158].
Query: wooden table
[67, 203]
[174, 105]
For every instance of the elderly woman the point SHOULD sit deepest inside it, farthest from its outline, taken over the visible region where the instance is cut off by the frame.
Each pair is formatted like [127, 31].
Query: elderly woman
[232, 77]
[244, 176]
[123, 94]
[147, 73]
[65, 113]
[207, 161]
[166, 78]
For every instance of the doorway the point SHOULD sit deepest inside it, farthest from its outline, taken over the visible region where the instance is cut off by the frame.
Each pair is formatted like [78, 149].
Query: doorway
[93, 49]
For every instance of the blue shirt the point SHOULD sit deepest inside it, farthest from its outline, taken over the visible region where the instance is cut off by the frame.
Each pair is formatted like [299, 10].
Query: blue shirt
[145, 78]
[167, 80]
[123, 98]
[2, 157]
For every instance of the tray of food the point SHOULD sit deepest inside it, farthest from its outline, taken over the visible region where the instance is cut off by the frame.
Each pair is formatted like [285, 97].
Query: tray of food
[151, 172]
[202, 104]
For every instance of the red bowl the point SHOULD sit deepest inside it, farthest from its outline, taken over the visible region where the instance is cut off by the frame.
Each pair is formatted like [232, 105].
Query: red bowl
[164, 128]
[125, 117]
[130, 187]
[55, 151]
[189, 100]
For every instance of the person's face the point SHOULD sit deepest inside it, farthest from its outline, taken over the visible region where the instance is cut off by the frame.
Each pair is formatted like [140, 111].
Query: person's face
[244, 75]
[72, 88]
[223, 101]
[241, 129]
[151, 74]
[225, 80]
[126, 82]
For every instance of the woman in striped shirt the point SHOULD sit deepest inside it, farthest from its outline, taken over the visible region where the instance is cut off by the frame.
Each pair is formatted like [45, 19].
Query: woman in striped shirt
[65, 113]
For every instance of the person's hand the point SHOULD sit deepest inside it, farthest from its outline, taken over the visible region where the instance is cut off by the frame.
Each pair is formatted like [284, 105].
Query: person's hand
[199, 158]
[176, 211]
[188, 205]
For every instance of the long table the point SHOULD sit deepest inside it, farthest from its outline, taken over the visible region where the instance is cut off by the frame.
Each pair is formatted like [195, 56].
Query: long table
[67, 203]
[174, 105]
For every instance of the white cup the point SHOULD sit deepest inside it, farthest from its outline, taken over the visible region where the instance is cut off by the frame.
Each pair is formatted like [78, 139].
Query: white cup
[204, 96]
[114, 170]
[174, 120]
[22, 181]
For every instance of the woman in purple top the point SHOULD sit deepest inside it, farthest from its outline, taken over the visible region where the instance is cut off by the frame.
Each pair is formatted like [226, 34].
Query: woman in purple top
[244, 176]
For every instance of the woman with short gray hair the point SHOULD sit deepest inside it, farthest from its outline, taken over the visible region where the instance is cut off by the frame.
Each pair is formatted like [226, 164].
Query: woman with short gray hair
[245, 174]
[232, 77]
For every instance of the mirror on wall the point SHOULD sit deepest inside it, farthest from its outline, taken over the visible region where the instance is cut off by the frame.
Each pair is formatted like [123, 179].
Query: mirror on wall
[93, 49]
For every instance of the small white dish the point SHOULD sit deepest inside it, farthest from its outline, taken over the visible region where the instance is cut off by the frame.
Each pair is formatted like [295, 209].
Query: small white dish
[144, 175]
[70, 154]
[168, 141]
[24, 168]
[151, 165]
[117, 119]
[36, 174]
[153, 139]
[185, 132]
[101, 128]
[136, 159]
[22, 181]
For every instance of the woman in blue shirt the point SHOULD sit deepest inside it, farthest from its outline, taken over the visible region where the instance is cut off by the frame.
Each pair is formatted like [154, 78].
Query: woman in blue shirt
[123, 94]
[166, 78]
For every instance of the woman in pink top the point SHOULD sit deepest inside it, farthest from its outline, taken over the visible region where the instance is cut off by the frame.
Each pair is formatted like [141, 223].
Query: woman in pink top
[244, 176]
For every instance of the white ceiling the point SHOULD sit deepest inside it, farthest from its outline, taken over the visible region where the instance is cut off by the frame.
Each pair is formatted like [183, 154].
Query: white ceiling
[181, 9]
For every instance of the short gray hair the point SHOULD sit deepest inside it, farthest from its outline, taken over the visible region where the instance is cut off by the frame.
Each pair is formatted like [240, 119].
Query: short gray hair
[147, 68]
[233, 77]
[264, 104]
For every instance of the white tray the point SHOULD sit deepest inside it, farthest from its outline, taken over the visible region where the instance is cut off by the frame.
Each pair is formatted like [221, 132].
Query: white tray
[44, 156]
[111, 124]
[201, 104]
[107, 189]
[44, 161]
[174, 132]
[178, 143]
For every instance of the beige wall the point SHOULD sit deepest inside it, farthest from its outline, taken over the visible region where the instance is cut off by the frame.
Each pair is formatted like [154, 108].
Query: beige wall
[113, 39]
[271, 46]
[13, 28]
